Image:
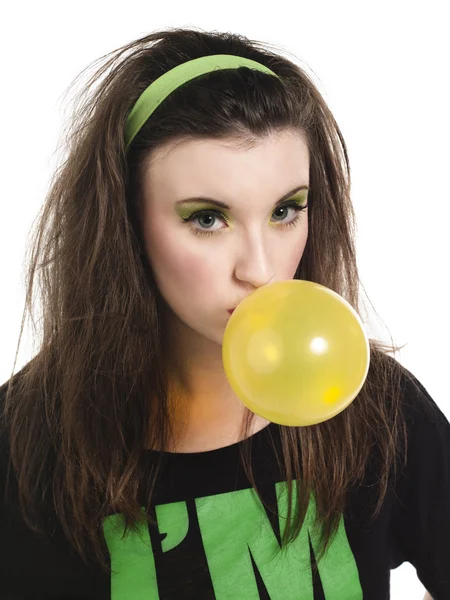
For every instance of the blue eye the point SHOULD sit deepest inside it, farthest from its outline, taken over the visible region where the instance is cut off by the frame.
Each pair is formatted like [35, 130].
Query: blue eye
[213, 214]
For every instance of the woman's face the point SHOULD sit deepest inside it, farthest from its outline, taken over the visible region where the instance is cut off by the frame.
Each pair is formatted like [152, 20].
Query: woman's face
[206, 263]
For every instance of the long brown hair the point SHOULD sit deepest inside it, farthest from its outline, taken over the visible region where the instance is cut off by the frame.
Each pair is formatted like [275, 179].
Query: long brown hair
[78, 415]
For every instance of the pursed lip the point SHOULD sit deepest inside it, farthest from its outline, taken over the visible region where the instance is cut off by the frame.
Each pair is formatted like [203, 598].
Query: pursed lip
[230, 310]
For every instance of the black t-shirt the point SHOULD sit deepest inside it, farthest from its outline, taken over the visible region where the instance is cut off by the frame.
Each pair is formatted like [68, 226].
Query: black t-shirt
[215, 540]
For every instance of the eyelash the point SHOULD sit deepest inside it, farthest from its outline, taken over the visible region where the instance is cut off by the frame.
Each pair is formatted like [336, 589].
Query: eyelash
[203, 232]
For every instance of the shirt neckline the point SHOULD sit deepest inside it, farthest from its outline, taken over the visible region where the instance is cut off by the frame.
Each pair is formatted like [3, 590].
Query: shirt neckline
[216, 452]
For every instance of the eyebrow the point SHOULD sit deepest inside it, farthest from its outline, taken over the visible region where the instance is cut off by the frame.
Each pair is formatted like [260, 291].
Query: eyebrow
[223, 205]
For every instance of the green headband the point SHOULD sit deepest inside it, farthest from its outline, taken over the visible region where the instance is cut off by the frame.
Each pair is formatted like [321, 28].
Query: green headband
[158, 91]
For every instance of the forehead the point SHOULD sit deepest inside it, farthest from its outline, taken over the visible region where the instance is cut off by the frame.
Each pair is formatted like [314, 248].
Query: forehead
[274, 143]
[192, 166]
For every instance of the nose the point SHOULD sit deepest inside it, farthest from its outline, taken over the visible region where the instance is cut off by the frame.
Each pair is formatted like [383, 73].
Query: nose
[253, 265]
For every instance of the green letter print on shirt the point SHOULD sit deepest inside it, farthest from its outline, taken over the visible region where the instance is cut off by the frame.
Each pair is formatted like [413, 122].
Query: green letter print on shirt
[233, 526]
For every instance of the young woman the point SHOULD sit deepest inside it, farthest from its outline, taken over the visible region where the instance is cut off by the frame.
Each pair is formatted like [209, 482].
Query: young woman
[202, 167]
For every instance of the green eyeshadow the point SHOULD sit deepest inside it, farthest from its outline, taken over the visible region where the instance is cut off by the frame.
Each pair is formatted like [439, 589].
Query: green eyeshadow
[185, 211]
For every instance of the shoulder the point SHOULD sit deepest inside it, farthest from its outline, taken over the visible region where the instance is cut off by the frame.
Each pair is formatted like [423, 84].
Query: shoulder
[427, 425]
[420, 521]
[417, 402]
[426, 476]
[423, 415]
[6, 468]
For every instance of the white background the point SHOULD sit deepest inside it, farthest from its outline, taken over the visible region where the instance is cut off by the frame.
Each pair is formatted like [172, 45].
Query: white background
[382, 68]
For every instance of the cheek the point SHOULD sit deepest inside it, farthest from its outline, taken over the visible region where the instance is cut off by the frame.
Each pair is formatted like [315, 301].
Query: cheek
[176, 266]
[294, 255]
